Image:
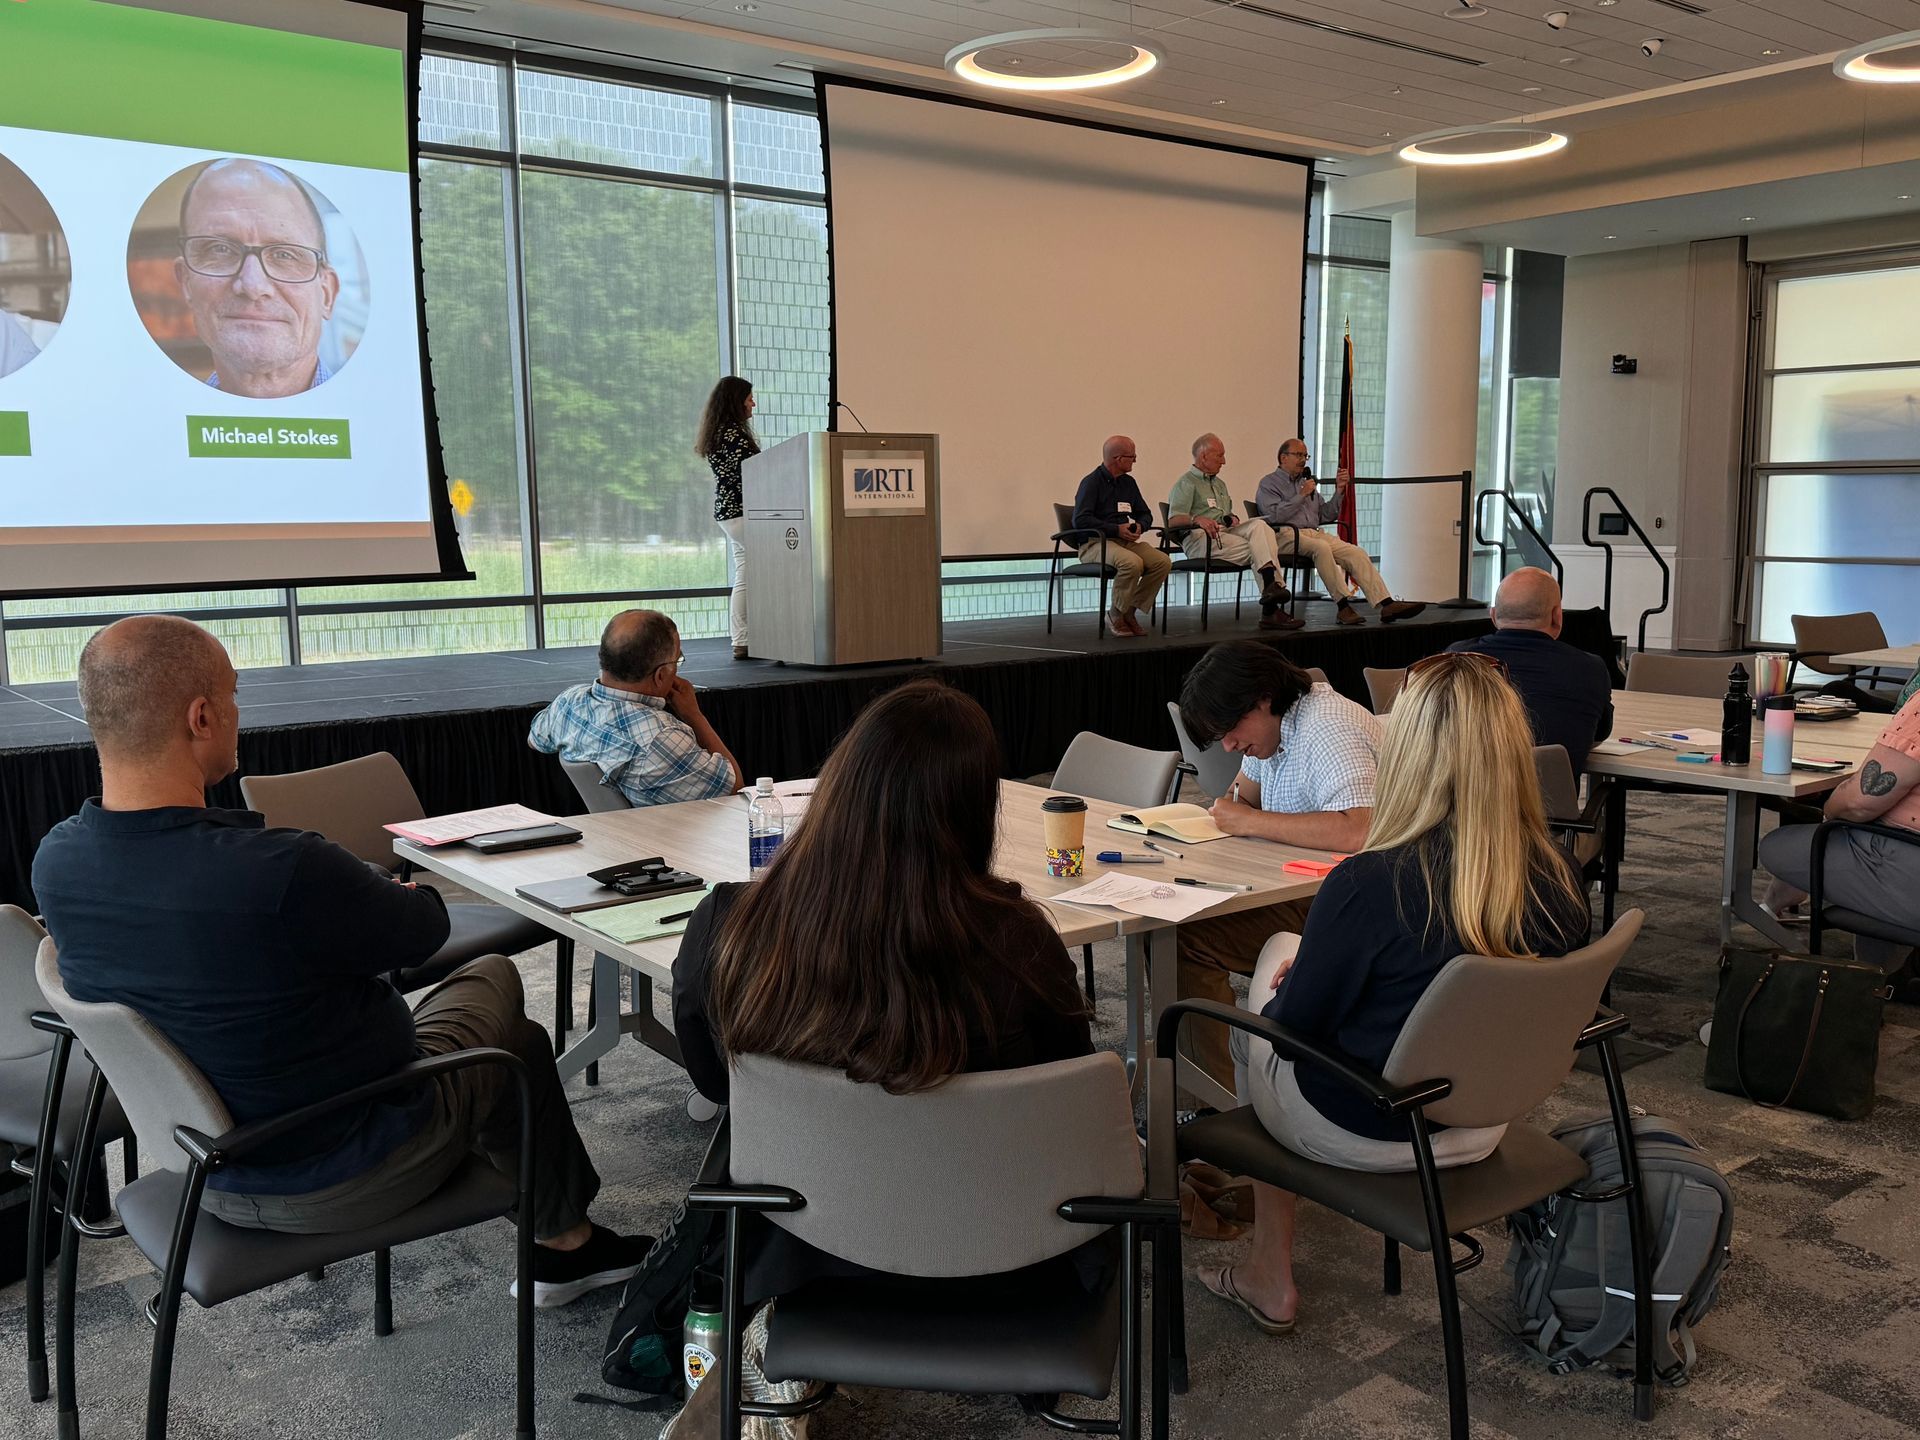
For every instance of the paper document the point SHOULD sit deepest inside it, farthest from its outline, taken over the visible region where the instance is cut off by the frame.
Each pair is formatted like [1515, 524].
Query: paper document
[446, 829]
[645, 919]
[1614, 747]
[1157, 899]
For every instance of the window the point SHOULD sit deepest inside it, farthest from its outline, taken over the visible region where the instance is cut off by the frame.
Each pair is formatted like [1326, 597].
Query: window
[1835, 488]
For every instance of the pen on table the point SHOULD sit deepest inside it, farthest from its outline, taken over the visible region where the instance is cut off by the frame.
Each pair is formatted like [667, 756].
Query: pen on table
[669, 919]
[1644, 744]
[1162, 850]
[1116, 857]
[1213, 884]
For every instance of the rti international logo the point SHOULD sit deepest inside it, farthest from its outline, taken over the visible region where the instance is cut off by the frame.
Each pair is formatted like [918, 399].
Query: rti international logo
[882, 484]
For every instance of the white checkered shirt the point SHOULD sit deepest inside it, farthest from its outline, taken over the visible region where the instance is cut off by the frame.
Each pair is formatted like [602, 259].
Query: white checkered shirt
[1329, 753]
[639, 745]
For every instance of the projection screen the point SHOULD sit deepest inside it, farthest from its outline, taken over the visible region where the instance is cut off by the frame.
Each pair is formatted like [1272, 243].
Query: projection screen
[1024, 287]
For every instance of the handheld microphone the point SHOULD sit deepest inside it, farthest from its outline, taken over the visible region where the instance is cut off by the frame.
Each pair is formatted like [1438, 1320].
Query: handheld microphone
[842, 405]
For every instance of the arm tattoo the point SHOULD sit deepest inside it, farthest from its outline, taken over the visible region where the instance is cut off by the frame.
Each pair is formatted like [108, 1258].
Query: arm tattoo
[1875, 781]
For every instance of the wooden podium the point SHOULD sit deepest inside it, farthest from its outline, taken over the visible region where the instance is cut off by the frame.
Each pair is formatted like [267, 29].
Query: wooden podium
[843, 545]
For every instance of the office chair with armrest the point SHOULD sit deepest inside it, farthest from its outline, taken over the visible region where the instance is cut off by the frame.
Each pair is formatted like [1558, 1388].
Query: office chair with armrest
[1208, 565]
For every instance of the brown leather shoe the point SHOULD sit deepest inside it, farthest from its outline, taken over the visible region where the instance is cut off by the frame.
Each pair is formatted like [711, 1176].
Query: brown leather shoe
[1350, 616]
[1280, 620]
[1393, 610]
[740, 652]
[1122, 626]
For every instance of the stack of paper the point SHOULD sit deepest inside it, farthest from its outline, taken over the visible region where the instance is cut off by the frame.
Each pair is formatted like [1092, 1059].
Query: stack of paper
[446, 829]
[1153, 898]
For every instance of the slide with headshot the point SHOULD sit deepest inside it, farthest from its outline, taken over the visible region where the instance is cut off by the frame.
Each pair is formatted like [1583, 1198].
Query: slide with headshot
[210, 349]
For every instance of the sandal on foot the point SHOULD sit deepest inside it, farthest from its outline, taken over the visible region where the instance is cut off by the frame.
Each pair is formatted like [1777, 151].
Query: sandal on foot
[1219, 1280]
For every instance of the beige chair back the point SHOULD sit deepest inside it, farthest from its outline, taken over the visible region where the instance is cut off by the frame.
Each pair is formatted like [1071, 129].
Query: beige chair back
[1698, 675]
[20, 937]
[1559, 791]
[1214, 768]
[592, 787]
[963, 1179]
[156, 1085]
[1818, 638]
[348, 803]
[1102, 769]
[1383, 687]
[1317, 675]
[1503, 1031]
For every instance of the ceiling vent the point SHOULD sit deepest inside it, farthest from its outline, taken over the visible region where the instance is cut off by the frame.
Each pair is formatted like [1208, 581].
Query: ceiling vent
[1685, 7]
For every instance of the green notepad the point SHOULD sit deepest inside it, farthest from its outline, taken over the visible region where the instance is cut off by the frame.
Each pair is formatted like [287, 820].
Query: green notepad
[645, 919]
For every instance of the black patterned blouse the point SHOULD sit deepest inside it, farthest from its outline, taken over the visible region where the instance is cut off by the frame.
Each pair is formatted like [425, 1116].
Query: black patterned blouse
[731, 446]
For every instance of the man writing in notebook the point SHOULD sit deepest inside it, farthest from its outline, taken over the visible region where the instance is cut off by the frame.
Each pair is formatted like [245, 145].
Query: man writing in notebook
[1308, 762]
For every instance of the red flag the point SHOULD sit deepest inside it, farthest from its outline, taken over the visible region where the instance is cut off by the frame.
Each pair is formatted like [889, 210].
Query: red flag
[1347, 524]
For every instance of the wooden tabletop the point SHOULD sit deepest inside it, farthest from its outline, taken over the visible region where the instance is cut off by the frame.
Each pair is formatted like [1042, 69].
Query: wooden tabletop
[709, 838]
[1894, 657]
[1635, 712]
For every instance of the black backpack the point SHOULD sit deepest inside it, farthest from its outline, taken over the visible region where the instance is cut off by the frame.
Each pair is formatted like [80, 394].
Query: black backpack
[1572, 1269]
[643, 1346]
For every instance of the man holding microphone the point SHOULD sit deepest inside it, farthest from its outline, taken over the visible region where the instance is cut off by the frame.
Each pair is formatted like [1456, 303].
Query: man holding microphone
[1289, 496]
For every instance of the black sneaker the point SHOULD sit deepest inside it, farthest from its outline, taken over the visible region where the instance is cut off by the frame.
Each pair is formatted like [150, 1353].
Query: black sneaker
[561, 1277]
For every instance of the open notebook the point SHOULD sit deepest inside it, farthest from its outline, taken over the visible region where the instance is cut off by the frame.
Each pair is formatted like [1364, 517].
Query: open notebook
[1177, 822]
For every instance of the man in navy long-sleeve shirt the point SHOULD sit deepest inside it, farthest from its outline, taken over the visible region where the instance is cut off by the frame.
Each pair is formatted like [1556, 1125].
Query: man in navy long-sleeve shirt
[260, 953]
[1109, 503]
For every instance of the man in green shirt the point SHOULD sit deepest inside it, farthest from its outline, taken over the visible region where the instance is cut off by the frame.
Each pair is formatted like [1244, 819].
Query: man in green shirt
[1201, 500]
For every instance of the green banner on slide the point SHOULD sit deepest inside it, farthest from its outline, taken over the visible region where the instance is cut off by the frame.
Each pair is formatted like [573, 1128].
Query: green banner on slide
[234, 437]
[85, 67]
[13, 433]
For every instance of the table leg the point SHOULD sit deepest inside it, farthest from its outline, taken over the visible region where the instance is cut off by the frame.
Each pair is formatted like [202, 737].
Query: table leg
[599, 1038]
[1162, 968]
[1736, 874]
[1139, 1046]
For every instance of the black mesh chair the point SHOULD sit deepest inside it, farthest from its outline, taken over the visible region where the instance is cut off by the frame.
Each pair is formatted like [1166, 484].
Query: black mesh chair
[1172, 539]
[977, 1192]
[1823, 916]
[186, 1127]
[1079, 569]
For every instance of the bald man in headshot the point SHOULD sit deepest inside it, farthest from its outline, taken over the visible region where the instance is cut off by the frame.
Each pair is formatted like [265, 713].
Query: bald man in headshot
[1108, 503]
[1567, 691]
[262, 954]
[253, 270]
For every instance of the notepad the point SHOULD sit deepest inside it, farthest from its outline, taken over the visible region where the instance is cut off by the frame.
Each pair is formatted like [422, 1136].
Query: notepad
[641, 920]
[1177, 822]
[1321, 868]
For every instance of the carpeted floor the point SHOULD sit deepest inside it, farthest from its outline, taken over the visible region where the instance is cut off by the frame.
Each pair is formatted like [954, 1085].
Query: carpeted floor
[1811, 1337]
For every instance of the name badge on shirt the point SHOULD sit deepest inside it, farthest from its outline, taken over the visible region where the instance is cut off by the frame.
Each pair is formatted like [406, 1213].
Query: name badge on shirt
[1125, 507]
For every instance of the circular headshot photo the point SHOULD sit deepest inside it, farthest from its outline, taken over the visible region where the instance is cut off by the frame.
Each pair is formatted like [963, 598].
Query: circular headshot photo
[36, 273]
[248, 278]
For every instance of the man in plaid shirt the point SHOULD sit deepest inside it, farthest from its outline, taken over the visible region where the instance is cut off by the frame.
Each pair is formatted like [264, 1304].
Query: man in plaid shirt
[640, 722]
[1308, 761]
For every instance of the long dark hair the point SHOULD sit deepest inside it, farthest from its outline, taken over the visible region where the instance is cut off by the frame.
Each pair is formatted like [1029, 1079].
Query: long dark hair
[866, 945]
[726, 406]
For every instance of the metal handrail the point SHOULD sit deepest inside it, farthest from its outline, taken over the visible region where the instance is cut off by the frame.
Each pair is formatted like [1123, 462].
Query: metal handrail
[1514, 512]
[1606, 590]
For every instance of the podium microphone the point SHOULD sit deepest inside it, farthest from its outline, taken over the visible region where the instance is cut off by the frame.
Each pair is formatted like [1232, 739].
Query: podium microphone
[842, 405]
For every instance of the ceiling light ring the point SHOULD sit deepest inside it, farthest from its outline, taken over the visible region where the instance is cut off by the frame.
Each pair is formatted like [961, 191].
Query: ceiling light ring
[1547, 143]
[1857, 63]
[962, 59]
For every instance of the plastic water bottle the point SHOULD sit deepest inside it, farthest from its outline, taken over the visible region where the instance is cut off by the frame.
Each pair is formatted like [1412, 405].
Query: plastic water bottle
[701, 1332]
[766, 827]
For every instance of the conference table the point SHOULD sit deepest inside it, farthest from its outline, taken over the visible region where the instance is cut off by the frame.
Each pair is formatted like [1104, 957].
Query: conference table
[709, 839]
[1894, 657]
[1744, 786]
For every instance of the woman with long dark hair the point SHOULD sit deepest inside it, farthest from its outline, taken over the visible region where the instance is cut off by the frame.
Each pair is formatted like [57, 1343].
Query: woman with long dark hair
[725, 440]
[879, 941]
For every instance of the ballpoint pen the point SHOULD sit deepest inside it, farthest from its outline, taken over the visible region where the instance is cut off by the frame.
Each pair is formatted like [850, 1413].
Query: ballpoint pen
[1116, 857]
[669, 919]
[1162, 850]
[1213, 884]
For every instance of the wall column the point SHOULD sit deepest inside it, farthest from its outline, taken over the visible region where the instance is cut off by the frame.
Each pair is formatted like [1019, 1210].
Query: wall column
[1433, 406]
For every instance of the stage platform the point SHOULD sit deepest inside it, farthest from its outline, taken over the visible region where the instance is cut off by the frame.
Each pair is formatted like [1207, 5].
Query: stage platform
[458, 723]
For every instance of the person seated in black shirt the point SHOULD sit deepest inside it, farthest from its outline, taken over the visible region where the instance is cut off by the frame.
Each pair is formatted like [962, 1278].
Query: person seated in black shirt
[1567, 691]
[1458, 862]
[926, 967]
[260, 954]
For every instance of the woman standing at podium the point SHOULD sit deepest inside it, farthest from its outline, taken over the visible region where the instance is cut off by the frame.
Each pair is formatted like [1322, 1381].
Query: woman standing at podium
[726, 439]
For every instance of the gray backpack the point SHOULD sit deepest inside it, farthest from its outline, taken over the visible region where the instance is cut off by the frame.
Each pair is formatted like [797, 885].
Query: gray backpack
[1572, 1270]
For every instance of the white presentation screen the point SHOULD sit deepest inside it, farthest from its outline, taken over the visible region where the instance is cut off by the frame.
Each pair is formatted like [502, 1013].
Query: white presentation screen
[1024, 288]
[210, 343]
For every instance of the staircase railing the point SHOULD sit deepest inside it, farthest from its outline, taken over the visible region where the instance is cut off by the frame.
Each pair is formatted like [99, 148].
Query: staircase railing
[1606, 590]
[1515, 511]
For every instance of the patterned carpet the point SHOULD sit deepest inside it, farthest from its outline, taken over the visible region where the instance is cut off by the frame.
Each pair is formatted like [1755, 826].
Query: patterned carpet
[1817, 1320]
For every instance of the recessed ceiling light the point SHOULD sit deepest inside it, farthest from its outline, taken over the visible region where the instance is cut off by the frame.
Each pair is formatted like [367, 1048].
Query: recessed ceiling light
[1394, 91]
[1903, 197]
[1482, 145]
[1745, 219]
[1219, 102]
[1386, 134]
[964, 59]
[746, 9]
[1568, 59]
[1769, 52]
[1609, 237]
[1605, 3]
[1529, 89]
[1892, 61]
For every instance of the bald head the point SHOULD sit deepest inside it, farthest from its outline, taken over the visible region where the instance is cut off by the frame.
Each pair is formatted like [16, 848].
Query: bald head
[224, 179]
[143, 678]
[1118, 454]
[635, 644]
[1528, 599]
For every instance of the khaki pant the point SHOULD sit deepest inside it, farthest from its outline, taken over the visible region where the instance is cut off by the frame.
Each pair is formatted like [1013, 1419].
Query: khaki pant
[476, 1110]
[1210, 951]
[1335, 559]
[1140, 570]
[1250, 542]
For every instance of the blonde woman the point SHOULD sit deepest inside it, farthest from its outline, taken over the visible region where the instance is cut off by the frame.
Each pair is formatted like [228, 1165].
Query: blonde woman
[1458, 861]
